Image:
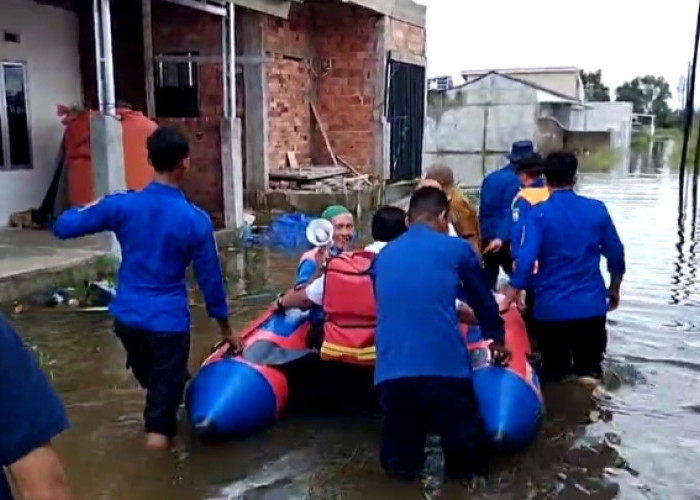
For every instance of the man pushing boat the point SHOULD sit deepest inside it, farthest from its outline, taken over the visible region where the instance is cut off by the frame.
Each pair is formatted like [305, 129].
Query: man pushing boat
[160, 234]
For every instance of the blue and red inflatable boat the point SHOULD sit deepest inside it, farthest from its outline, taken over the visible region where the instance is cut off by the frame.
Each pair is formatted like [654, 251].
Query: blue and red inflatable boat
[235, 396]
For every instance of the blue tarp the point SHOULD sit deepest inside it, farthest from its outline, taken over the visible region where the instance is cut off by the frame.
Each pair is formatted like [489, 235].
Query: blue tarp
[285, 232]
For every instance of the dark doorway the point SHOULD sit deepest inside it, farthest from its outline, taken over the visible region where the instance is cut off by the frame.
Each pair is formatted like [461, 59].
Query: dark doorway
[406, 91]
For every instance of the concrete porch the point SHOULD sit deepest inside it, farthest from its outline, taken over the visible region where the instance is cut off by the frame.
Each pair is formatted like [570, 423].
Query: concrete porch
[34, 261]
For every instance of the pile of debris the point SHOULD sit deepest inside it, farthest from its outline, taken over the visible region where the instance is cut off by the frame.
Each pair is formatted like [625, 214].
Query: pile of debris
[320, 179]
[339, 177]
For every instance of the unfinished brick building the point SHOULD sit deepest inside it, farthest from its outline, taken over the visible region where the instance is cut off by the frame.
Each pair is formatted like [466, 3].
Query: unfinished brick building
[353, 68]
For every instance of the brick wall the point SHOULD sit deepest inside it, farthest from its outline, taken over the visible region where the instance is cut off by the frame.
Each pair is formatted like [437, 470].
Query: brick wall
[406, 38]
[344, 36]
[181, 29]
[289, 83]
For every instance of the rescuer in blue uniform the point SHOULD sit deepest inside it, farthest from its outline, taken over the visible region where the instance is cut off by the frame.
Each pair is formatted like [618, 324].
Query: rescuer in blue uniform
[31, 416]
[160, 234]
[497, 193]
[423, 369]
[533, 192]
[567, 235]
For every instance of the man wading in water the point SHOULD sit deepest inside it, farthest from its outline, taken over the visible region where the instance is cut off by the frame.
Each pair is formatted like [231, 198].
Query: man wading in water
[160, 234]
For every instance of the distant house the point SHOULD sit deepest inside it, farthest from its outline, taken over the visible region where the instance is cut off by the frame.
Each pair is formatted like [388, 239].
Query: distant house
[470, 127]
[563, 79]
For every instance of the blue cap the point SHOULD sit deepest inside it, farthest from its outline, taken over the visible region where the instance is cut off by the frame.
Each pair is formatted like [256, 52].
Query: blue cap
[519, 150]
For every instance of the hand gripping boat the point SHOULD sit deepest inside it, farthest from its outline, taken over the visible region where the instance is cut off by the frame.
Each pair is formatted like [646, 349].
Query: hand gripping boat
[235, 396]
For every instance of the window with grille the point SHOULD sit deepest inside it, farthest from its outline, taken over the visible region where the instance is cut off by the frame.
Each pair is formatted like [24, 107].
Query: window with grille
[176, 82]
[15, 144]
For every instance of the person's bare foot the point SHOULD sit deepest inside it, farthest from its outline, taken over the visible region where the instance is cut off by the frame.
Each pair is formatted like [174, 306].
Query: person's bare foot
[157, 441]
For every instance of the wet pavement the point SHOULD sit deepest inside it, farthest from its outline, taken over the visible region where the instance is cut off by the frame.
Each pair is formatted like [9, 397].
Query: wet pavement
[641, 439]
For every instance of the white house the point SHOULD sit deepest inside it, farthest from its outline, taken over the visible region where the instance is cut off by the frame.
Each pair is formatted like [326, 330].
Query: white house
[39, 69]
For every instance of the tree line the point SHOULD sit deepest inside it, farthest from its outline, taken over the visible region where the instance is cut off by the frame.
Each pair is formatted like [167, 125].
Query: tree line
[648, 94]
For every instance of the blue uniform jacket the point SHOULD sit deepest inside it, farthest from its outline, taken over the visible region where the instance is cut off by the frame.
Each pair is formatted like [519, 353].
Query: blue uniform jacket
[567, 235]
[520, 209]
[416, 280]
[31, 414]
[497, 193]
[160, 234]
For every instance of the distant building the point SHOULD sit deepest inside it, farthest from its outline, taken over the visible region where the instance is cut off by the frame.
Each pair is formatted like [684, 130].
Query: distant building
[565, 79]
[470, 127]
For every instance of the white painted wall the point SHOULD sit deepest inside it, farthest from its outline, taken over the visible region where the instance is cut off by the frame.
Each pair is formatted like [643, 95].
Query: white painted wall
[493, 112]
[49, 47]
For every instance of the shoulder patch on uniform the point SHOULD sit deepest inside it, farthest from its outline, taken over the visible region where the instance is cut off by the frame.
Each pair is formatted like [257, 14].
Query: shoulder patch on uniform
[98, 200]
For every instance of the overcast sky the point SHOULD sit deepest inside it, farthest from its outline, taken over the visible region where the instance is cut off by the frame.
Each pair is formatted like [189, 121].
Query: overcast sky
[624, 38]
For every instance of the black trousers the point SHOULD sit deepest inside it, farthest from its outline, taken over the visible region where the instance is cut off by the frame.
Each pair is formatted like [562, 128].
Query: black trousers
[159, 363]
[575, 347]
[529, 318]
[494, 261]
[447, 406]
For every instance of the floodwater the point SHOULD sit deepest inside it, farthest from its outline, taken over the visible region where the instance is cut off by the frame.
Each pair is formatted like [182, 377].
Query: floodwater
[639, 440]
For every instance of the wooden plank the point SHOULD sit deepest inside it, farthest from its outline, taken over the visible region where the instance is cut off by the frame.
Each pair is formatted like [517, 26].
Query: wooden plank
[147, 21]
[307, 174]
[292, 160]
[323, 133]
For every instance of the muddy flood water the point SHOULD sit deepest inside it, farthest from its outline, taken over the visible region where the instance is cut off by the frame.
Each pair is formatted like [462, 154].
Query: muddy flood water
[641, 440]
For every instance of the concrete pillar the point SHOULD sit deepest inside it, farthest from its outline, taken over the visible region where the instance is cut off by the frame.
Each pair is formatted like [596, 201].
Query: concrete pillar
[382, 133]
[231, 173]
[256, 128]
[106, 145]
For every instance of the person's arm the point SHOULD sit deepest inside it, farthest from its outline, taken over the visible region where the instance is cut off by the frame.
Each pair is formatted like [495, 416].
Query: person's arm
[488, 198]
[101, 215]
[479, 297]
[614, 252]
[207, 270]
[510, 191]
[521, 209]
[528, 253]
[32, 416]
[303, 298]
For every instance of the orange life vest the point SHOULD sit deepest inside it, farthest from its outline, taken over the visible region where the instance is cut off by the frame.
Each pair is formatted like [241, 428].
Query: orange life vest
[348, 302]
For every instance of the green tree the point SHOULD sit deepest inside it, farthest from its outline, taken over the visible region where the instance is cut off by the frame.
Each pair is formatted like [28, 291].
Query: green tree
[648, 94]
[593, 86]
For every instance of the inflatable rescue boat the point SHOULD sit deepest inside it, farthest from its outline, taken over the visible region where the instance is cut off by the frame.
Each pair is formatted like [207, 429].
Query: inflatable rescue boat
[235, 396]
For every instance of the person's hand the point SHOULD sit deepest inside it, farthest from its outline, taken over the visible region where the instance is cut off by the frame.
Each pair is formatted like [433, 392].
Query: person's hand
[494, 245]
[499, 354]
[466, 314]
[236, 343]
[520, 300]
[321, 257]
[278, 302]
[231, 338]
[510, 295]
[613, 299]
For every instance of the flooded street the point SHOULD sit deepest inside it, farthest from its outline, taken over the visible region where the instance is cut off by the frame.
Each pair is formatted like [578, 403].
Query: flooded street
[641, 440]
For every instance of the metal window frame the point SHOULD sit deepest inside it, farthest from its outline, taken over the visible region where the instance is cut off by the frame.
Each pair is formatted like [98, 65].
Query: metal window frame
[5, 135]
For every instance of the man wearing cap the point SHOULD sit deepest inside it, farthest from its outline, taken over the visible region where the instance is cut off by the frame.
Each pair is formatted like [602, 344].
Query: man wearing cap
[311, 262]
[533, 192]
[498, 190]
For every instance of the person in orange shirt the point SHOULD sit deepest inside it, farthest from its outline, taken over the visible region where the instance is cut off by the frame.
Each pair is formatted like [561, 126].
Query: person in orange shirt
[463, 214]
